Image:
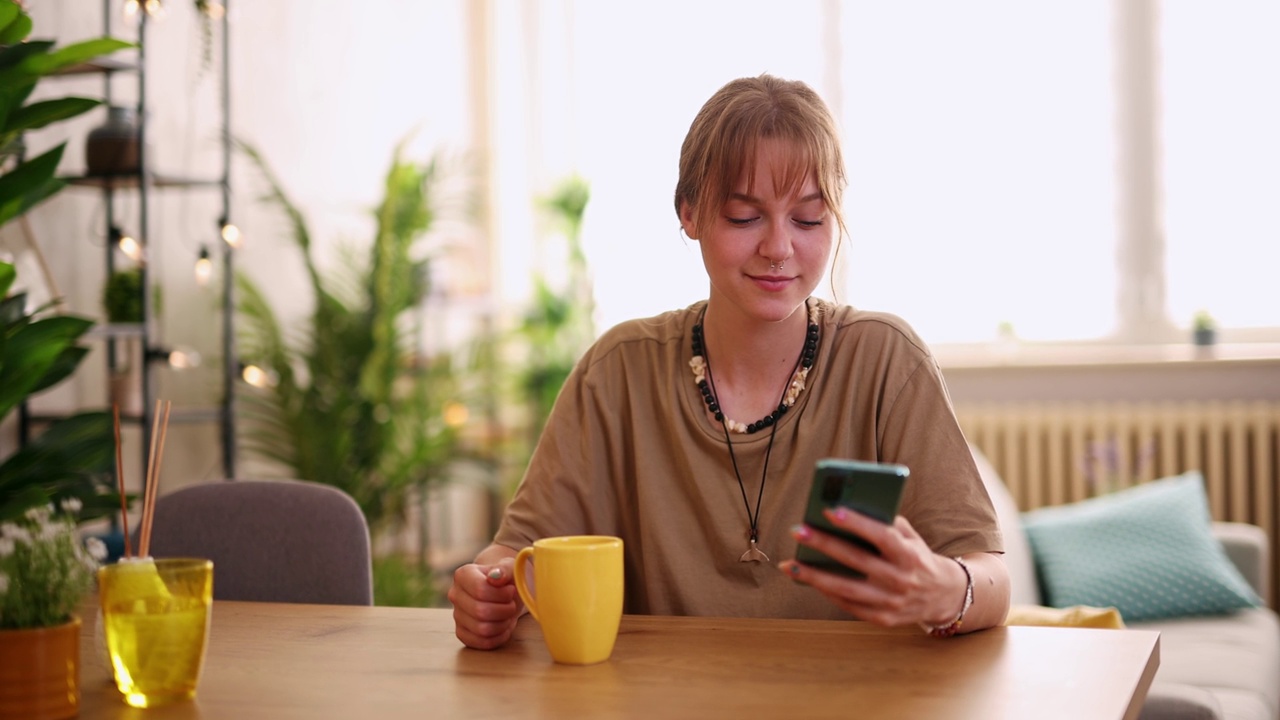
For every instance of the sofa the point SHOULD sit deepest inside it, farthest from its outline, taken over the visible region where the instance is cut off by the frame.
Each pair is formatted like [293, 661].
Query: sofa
[1220, 666]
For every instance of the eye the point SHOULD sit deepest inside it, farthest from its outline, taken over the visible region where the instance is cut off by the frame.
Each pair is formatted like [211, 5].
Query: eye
[810, 223]
[741, 221]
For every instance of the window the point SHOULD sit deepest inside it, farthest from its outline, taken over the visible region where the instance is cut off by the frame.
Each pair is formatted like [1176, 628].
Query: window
[992, 148]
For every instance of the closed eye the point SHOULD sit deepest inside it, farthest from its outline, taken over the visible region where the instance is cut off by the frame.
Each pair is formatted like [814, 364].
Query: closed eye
[809, 223]
[741, 221]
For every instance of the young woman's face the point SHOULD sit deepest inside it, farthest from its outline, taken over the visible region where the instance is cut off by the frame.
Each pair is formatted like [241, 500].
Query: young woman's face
[765, 225]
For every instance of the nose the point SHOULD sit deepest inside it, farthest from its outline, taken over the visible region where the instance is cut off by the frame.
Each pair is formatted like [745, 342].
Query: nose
[776, 245]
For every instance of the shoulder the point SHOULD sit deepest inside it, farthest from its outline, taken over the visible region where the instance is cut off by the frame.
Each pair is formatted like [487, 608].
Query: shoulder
[650, 336]
[849, 326]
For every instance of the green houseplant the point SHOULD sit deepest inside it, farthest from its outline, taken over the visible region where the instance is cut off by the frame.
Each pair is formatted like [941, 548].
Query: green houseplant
[353, 403]
[69, 458]
[68, 465]
[1204, 329]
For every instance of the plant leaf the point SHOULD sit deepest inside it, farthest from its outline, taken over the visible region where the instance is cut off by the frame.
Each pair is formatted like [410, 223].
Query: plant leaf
[72, 54]
[16, 31]
[40, 114]
[31, 352]
[74, 457]
[18, 183]
[8, 273]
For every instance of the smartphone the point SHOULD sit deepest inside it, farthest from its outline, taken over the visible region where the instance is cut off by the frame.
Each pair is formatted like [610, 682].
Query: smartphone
[873, 489]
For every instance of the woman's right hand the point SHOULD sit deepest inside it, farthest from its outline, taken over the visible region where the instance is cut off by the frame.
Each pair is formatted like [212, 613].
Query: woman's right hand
[485, 602]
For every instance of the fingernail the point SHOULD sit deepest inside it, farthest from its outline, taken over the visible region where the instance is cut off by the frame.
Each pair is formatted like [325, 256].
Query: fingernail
[794, 569]
[841, 513]
[495, 574]
[801, 531]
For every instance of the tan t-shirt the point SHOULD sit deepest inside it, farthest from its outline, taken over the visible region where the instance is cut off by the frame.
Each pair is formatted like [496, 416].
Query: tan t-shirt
[629, 451]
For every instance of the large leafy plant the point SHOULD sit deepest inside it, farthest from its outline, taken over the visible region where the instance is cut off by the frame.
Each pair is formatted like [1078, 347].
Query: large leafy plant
[72, 458]
[354, 404]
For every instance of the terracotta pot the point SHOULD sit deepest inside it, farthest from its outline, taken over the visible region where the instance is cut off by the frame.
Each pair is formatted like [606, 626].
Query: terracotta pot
[40, 672]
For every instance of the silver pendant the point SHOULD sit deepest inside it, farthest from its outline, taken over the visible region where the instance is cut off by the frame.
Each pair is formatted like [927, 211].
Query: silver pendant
[753, 554]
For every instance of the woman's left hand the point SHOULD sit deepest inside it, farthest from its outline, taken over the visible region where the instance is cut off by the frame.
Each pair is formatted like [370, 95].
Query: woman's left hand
[907, 583]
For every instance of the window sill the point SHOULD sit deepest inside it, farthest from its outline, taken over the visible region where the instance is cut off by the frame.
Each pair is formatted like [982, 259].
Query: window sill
[1099, 355]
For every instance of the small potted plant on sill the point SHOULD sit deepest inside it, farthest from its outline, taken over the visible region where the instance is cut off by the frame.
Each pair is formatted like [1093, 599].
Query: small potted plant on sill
[1204, 329]
[45, 573]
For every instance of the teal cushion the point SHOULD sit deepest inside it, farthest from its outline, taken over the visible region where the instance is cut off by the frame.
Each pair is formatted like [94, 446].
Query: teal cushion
[1148, 551]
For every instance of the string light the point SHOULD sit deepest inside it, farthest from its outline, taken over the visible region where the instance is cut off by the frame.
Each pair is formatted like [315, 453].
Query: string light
[127, 244]
[204, 267]
[183, 359]
[455, 414]
[215, 10]
[154, 8]
[232, 235]
[178, 358]
[130, 8]
[258, 377]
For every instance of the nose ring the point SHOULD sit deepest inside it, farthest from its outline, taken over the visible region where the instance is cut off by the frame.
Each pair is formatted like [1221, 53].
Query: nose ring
[773, 266]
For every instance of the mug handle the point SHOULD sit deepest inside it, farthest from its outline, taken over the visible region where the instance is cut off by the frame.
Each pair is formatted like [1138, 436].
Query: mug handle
[521, 586]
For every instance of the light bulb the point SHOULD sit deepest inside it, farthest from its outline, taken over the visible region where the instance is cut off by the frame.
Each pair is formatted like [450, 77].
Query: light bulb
[131, 248]
[204, 268]
[154, 8]
[214, 10]
[183, 359]
[232, 235]
[258, 377]
[130, 8]
[455, 414]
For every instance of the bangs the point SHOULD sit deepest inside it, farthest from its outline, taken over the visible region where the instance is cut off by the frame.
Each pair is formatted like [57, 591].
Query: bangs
[800, 166]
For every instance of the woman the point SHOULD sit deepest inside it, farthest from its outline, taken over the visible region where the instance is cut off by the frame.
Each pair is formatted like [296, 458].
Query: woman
[693, 435]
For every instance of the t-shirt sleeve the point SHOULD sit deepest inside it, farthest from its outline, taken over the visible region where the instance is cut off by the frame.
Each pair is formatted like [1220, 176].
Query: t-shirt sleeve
[944, 499]
[565, 489]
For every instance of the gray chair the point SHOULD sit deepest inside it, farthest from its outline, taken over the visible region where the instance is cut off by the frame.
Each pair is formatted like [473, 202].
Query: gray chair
[270, 540]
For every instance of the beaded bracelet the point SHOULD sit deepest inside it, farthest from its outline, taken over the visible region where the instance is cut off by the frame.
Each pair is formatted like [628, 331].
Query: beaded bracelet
[949, 629]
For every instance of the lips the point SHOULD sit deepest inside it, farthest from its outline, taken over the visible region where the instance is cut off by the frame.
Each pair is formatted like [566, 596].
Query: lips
[773, 283]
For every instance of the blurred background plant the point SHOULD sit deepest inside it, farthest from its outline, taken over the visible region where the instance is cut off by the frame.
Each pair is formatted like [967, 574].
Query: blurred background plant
[558, 324]
[72, 457]
[353, 402]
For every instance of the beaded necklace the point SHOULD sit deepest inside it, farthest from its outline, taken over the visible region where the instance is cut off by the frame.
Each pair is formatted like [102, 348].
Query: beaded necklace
[706, 384]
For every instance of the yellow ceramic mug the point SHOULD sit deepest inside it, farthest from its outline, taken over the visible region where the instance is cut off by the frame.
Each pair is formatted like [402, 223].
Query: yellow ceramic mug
[578, 603]
[156, 617]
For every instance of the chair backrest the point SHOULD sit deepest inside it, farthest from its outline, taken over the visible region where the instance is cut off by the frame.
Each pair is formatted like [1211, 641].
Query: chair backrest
[270, 540]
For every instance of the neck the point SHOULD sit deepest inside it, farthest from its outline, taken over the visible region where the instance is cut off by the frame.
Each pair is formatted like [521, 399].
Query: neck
[747, 351]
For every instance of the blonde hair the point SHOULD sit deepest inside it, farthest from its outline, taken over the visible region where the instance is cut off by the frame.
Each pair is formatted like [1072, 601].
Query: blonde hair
[722, 142]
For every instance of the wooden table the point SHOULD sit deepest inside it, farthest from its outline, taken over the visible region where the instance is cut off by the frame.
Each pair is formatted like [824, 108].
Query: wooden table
[282, 661]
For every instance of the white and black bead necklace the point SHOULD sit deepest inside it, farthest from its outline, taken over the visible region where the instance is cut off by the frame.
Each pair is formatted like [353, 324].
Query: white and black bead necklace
[706, 384]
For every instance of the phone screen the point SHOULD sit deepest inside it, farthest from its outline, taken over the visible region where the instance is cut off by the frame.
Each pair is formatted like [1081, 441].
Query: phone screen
[873, 489]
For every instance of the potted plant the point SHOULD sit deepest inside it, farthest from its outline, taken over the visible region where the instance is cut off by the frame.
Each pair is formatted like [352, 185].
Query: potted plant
[45, 572]
[1203, 328]
[69, 464]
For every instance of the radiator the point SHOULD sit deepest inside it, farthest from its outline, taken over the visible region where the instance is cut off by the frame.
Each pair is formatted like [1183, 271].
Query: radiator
[1054, 453]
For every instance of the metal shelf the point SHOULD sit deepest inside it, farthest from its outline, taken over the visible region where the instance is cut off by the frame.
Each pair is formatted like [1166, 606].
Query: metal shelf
[134, 180]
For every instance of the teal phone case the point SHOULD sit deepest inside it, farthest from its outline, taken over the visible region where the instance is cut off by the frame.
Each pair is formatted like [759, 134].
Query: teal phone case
[873, 489]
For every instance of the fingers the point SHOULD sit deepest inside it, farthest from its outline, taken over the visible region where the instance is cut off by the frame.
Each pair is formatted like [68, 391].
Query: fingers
[485, 604]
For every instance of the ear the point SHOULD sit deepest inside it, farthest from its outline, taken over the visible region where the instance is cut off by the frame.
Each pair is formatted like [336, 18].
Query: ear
[686, 220]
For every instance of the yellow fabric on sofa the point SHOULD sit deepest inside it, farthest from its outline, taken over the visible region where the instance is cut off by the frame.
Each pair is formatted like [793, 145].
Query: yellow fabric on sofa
[1075, 616]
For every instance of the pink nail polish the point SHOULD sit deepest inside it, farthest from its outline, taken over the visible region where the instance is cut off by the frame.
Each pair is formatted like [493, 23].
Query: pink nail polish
[801, 532]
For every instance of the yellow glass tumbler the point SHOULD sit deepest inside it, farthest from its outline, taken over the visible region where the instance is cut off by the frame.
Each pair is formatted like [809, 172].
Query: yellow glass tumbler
[577, 594]
[156, 616]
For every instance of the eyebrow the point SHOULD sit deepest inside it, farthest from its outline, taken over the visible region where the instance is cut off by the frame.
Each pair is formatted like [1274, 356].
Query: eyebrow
[756, 201]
